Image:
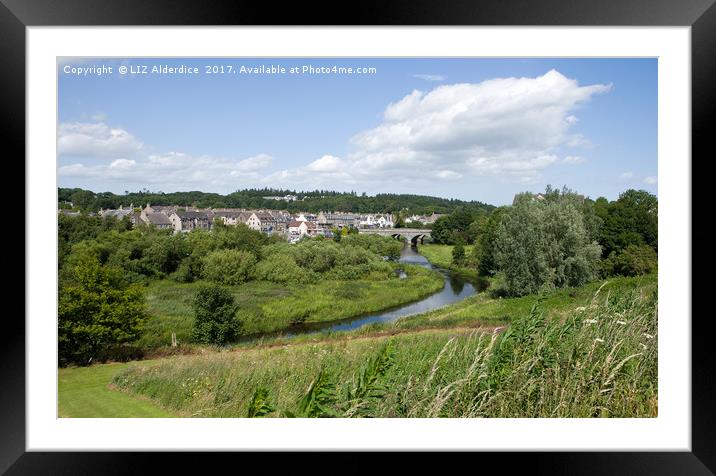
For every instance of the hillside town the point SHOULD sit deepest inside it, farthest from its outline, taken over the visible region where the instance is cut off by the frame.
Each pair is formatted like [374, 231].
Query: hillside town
[291, 226]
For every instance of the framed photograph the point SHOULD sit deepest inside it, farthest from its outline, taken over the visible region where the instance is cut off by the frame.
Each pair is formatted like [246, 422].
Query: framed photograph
[435, 229]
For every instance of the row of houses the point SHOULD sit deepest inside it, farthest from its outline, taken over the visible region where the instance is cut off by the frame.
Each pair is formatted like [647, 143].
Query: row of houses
[423, 218]
[184, 219]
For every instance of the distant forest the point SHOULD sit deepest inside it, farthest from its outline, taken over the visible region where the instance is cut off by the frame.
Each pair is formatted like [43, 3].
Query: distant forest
[313, 201]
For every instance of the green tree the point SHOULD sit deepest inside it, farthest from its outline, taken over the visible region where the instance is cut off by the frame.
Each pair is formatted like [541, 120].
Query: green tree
[634, 260]
[458, 254]
[542, 244]
[97, 310]
[485, 244]
[630, 220]
[399, 221]
[229, 267]
[83, 200]
[215, 320]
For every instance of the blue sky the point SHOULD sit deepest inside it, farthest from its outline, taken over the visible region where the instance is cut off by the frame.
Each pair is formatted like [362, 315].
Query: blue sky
[468, 128]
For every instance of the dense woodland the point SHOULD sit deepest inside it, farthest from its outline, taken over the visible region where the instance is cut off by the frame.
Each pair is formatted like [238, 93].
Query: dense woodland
[312, 201]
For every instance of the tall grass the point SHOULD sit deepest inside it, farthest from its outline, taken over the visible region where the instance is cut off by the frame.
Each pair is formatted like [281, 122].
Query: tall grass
[597, 360]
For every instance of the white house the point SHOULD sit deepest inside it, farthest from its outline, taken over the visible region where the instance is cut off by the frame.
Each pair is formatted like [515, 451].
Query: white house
[254, 222]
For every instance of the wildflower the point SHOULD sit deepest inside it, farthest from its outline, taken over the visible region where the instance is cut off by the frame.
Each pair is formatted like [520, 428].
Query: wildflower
[598, 340]
[648, 336]
[580, 308]
[621, 322]
[643, 346]
[590, 321]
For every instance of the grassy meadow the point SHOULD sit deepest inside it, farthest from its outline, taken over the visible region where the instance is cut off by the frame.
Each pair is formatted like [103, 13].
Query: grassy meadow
[266, 306]
[591, 357]
[441, 255]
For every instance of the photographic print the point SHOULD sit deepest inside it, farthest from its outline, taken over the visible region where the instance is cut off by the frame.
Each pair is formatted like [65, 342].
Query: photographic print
[357, 237]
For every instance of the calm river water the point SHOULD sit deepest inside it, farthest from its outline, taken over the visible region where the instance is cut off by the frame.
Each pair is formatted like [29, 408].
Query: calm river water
[456, 288]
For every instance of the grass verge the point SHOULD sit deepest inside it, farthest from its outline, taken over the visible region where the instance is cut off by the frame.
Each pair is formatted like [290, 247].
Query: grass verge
[84, 392]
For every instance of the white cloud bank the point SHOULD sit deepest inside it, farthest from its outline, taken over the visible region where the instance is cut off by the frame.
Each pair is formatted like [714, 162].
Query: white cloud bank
[511, 128]
[95, 140]
[174, 171]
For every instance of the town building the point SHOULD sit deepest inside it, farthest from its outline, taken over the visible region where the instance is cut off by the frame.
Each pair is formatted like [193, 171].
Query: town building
[191, 220]
[298, 229]
[157, 220]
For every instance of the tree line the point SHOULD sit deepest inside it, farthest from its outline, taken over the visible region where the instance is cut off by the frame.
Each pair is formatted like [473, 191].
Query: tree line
[555, 239]
[313, 201]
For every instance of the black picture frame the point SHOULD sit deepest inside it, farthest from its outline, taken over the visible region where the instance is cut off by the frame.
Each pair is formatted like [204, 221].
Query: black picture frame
[700, 15]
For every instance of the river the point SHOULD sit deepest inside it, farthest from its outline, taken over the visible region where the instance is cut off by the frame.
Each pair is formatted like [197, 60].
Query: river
[456, 288]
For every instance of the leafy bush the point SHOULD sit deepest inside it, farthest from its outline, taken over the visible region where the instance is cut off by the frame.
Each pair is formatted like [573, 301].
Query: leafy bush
[282, 268]
[380, 245]
[632, 261]
[97, 309]
[316, 256]
[458, 254]
[229, 267]
[215, 319]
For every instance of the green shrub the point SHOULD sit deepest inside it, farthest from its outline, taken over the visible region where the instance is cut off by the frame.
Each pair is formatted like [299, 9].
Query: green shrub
[458, 254]
[282, 268]
[215, 319]
[229, 267]
[632, 261]
[316, 256]
[97, 310]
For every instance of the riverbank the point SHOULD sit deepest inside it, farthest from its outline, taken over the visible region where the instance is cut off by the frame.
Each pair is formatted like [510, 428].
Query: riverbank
[441, 256]
[267, 307]
[610, 338]
[221, 382]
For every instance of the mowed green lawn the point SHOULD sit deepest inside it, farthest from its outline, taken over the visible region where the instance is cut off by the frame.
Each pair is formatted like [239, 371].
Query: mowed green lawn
[83, 392]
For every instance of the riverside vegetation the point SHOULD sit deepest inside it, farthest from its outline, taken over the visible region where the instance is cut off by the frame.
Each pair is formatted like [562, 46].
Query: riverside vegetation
[598, 359]
[568, 327]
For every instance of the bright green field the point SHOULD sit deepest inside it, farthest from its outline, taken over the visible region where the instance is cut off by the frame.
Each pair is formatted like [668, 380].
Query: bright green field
[267, 307]
[84, 393]
[441, 255]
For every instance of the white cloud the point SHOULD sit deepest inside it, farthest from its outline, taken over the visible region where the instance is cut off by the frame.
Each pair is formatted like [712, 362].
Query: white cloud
[574, 159]
[254, 164]
[124, 164]
[430, 77]
[175, 171]
[448, 174]
[652, 179]
[327, 163]
[95, 140]
[509, 127]
[626, 176]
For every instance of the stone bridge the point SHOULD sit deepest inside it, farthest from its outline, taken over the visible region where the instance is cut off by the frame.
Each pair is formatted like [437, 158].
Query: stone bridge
[413, 235]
